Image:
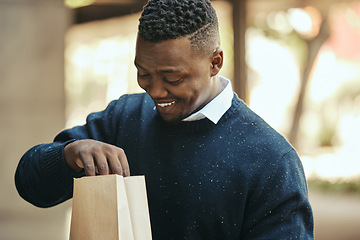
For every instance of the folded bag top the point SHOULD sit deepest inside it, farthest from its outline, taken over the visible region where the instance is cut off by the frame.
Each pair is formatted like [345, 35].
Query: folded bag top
[110, 207]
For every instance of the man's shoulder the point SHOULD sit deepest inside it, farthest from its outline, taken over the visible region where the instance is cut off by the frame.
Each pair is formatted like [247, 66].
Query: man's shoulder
[133, 104]
[257, 130]
[134, 97]
[133, 101]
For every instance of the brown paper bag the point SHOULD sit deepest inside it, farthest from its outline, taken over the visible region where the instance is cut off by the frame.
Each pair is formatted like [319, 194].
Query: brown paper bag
[110, 207]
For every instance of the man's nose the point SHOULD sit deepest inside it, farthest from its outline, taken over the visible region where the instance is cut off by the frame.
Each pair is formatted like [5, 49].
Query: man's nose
[156, 89]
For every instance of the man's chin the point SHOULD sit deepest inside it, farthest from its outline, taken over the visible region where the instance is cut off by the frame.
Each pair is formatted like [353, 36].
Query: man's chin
[171, 119]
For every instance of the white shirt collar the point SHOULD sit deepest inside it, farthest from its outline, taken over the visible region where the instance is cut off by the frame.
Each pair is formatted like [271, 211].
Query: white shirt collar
[216, 108]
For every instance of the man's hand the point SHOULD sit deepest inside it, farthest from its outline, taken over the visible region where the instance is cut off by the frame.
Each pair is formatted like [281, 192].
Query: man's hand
[96, 157]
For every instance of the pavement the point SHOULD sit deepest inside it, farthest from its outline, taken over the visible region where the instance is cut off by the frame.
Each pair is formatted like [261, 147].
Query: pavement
[337, 216]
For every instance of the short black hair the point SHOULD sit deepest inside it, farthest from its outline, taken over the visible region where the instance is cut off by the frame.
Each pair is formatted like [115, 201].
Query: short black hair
[172, 19]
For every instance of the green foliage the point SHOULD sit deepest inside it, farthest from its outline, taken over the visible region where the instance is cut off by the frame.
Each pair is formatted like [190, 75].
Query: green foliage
[349, 90]
[295, 43]
[338, 186]
[326, 135]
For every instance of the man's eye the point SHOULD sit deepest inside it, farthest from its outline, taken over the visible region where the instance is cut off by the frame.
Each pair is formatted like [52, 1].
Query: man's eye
[143, 75]
[173, 82]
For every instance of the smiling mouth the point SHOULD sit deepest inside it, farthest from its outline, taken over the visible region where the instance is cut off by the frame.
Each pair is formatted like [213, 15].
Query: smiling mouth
[163, 105]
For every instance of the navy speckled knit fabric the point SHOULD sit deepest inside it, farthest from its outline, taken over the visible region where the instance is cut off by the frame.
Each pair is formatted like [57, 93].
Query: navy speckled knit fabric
[238, 179]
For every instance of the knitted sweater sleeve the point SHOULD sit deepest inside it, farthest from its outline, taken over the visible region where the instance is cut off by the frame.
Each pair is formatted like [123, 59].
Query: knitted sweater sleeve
[279, 207]
[42, 176]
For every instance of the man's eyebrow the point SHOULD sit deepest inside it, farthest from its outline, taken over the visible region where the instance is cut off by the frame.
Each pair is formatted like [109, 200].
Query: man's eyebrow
[169, 70]
[163, 70]
[138, 65]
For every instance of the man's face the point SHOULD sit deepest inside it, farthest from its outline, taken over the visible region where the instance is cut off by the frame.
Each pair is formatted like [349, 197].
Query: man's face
[178, 81]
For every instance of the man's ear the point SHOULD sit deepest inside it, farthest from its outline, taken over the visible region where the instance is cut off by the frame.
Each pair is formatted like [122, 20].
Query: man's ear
[217, 61]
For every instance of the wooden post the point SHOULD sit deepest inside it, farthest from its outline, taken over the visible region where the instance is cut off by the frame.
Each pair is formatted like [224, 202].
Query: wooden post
[240, 69]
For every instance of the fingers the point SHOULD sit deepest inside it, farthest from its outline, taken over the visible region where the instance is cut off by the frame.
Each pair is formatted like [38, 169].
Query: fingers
[101, 164]
[88, 163]
[117, 161]
[124, 163]
[97, 158]
[115, 165]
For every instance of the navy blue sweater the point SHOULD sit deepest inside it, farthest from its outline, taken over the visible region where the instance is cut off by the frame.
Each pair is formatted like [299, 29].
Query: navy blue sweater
[238, 179]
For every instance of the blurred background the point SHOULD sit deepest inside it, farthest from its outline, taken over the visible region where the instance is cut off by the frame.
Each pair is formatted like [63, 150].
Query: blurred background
[295, 63]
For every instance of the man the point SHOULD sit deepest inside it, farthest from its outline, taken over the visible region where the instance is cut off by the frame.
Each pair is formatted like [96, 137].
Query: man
[214, 169]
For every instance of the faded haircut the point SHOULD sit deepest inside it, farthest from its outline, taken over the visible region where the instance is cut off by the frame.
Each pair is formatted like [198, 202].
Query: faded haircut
[172, 19]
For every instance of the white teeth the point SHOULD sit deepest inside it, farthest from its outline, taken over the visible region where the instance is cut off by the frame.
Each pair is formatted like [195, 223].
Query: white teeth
[165, 104]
